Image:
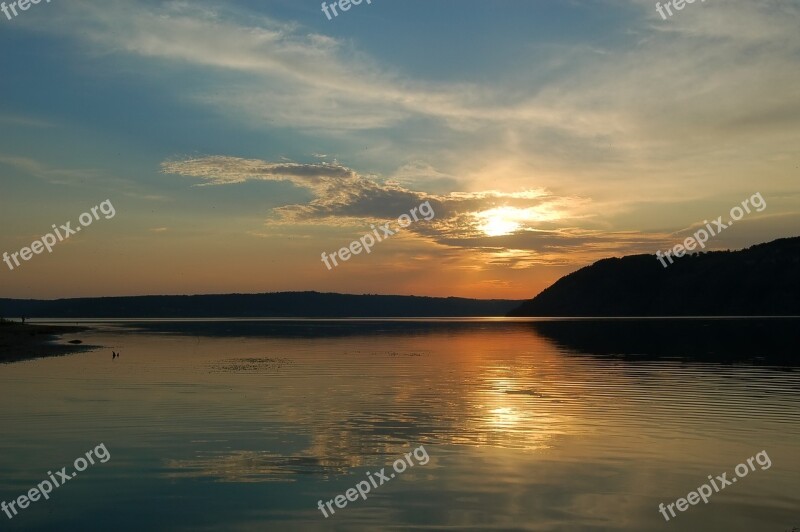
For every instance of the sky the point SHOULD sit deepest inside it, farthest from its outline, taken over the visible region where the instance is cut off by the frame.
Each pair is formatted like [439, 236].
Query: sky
[239, 141]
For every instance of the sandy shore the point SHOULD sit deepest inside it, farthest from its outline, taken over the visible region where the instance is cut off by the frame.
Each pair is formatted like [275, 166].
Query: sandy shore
[24, 342]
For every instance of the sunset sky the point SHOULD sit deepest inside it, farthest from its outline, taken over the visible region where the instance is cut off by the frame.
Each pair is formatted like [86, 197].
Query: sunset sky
[239, 140]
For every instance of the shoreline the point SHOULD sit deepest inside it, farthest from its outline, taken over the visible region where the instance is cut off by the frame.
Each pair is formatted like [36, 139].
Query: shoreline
[20, 342]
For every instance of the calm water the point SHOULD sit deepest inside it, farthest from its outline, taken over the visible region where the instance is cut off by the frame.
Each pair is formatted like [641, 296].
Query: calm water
[237, 425]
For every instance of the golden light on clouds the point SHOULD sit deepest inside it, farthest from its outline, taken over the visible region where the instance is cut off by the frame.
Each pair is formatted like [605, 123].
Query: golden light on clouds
[497, 224]
[502, 221]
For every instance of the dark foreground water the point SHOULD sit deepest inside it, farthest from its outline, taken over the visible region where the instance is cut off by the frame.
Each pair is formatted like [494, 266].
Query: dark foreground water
[544, 425]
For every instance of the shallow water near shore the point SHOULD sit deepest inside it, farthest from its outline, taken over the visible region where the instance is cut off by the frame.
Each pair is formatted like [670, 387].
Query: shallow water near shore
[529, 425]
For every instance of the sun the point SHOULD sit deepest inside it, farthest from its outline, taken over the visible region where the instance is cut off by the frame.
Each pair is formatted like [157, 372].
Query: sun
[498, 225]
[502, 221]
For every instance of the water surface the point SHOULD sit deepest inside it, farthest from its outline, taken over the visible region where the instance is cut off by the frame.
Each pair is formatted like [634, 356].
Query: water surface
[529, 424]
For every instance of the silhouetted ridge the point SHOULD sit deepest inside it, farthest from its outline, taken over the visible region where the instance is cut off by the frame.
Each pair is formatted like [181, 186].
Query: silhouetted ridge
[274, 305]
[758, 281]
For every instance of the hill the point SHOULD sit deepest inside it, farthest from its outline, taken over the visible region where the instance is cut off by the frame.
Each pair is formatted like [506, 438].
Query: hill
[758, 281]
[277, 305]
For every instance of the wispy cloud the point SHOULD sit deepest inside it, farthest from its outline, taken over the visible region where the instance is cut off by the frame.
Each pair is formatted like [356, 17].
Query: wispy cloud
[680, 110]
[26, 121]
[541, 221]
[712, 86]
[57, 176]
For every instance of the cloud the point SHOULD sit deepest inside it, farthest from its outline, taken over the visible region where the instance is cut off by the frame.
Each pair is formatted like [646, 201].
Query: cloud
[222, 170]
[713, 75]
[542, 221]
[291, 77]
[669, 112]
[79, 177]
[56, 176]
[25, 121]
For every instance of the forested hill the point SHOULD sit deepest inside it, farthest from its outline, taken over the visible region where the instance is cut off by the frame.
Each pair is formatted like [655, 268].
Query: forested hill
[279, 305]
[763, 280]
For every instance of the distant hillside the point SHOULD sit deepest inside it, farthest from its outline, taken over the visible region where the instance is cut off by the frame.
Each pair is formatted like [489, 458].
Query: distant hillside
[280, 304]
[763, 280]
